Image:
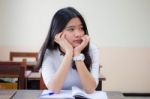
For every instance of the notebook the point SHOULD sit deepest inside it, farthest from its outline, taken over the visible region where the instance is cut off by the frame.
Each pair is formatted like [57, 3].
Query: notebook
[72, 94]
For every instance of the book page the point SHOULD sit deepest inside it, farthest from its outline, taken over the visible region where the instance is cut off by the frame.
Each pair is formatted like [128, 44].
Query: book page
[95, 95]
[98, 95]
[62, 95]
[77, 92]
[71, 94]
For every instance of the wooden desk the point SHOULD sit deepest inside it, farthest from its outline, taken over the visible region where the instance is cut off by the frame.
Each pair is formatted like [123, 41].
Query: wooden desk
[34, 94]
[7, 94]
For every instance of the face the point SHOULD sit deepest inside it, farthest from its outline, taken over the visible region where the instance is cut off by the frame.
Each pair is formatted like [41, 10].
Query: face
[74, 32]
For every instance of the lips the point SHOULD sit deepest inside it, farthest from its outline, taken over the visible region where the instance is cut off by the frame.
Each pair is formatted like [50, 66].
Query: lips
[77, 41]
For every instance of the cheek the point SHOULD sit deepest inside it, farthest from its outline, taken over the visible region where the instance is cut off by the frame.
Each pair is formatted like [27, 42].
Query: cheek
[69, 38]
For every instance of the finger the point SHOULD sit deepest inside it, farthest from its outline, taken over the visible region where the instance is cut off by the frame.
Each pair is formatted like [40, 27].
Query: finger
[85, 40]
[57, 36]
[63, 35]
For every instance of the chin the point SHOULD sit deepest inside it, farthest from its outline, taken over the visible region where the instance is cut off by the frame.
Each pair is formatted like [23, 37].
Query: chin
[76, 45]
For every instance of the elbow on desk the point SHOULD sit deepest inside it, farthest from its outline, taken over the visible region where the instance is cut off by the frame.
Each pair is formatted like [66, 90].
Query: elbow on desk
[90, 90]
[54, 89]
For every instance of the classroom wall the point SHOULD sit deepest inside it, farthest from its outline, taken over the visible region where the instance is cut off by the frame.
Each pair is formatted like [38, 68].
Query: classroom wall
[120, 28]
[126, 69]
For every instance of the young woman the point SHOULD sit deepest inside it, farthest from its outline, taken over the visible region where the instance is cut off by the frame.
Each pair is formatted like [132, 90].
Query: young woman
[67, 56]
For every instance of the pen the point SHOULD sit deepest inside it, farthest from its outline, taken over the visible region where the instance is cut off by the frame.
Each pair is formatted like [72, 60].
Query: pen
[50, 93]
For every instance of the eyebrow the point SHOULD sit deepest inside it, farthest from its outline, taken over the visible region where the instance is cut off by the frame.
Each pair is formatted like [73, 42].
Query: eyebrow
[73, 26]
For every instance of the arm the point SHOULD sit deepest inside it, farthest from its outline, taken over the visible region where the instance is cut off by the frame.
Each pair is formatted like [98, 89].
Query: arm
[85, 75]
[58, 78]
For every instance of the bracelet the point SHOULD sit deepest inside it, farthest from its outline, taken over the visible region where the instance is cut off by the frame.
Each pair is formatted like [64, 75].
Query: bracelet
[79, 57]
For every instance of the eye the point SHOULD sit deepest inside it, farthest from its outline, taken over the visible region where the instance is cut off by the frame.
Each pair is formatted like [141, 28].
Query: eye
[70, 29]
[81, 28]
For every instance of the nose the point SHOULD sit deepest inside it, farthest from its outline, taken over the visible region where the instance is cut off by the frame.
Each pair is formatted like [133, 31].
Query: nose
[79, 33]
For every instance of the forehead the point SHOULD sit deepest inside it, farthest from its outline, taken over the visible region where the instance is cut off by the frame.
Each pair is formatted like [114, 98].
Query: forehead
[74, 22]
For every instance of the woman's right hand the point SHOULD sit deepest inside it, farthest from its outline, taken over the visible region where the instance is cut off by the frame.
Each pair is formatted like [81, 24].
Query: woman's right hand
[64, 44]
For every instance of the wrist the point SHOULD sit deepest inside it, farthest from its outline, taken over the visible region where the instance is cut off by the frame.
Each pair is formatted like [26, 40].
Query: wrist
[69, 53]
[79, 57]
[77, 53]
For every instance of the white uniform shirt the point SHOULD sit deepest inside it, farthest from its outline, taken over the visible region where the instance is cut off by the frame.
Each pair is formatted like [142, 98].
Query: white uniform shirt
[53, 59]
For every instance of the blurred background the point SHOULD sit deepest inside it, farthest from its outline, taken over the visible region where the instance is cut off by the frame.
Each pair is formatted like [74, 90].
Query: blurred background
[120, 28]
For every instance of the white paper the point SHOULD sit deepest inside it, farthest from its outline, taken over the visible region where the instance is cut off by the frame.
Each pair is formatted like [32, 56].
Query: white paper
[98, 95]
[62, 95]
[78, 91]
[69, 94]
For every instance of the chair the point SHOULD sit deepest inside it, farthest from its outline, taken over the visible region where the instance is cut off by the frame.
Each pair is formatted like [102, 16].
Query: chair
[101, 78]
[13, 70]
[25, 56]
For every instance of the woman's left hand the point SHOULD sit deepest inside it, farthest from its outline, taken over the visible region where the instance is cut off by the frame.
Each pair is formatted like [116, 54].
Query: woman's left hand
[78, 49]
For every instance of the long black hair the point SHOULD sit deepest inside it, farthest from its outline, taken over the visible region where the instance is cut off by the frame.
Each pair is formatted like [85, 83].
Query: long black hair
[59, 22]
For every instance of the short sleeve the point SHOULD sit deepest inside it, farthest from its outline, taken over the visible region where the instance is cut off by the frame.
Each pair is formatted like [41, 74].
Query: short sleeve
[94, 53]
[47, 67]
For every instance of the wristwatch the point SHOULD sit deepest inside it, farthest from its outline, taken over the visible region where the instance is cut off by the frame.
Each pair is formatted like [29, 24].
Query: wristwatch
[79, 57]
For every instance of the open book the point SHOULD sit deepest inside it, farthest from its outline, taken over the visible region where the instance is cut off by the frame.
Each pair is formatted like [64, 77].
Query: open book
[72, 94]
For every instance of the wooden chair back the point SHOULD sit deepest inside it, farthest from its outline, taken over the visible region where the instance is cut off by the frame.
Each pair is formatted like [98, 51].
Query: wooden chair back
[25, 56]
[101, 78]
[13, 70]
